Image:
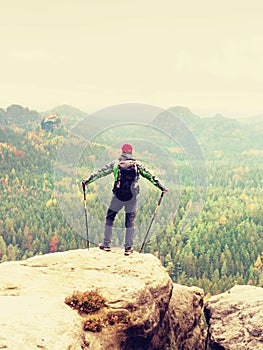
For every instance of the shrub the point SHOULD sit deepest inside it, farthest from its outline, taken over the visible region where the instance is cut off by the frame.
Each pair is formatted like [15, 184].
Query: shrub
[86, 302]
[93, 324]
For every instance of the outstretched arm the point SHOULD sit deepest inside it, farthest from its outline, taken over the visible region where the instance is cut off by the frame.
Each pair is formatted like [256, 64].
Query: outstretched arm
[104, 171]
[144, 172]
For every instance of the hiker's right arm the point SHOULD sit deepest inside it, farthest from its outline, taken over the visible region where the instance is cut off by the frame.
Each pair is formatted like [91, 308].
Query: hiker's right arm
[106, 170]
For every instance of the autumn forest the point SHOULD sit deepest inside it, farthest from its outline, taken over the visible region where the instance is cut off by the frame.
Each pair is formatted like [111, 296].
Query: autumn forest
[209, 229]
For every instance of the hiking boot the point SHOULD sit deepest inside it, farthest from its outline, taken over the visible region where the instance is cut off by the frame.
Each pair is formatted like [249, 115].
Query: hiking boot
[102, 247]
[128, 251]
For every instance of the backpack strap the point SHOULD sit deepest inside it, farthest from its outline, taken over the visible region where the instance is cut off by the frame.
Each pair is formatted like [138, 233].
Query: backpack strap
[116, 172]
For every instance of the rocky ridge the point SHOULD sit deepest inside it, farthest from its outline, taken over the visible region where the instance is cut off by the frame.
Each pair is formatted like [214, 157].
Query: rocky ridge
[235, 319]
[150, 312]
[144, 310]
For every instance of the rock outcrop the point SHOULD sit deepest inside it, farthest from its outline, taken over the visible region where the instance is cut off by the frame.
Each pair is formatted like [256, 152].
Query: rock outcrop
[183, 326]
[235, 319]
[144, 309]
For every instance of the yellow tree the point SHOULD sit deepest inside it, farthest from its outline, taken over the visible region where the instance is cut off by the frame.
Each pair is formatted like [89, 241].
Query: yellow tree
[258, 263]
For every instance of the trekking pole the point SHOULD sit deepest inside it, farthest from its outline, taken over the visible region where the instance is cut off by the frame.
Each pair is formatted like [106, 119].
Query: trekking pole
[86, 214]
[150, 225]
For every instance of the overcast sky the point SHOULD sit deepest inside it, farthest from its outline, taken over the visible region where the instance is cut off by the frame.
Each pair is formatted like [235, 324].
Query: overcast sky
[203, 54]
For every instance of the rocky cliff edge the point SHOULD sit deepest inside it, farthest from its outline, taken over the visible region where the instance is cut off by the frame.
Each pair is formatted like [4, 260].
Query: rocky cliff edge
[143, 308]
[235, 319]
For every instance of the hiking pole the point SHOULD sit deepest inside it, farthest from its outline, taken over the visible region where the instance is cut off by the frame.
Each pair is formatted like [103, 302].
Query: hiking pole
[85, 211]
[150, 225]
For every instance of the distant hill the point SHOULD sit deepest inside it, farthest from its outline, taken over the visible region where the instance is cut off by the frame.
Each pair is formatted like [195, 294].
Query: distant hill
[215, 133]
[17, 114]
[128, 112]
[67, 113]
[253, 123]
[89, 125]
[75, 119]
[252, 120]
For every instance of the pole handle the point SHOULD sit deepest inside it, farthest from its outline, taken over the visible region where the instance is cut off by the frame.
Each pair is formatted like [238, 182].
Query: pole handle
[85, 211]
[84, 190]
[160, 199]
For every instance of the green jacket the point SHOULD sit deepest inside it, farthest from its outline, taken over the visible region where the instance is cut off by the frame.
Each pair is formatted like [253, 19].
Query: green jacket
[112, 167]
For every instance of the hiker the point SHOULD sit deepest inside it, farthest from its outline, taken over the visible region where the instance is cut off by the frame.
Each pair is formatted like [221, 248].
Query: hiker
[126, 171]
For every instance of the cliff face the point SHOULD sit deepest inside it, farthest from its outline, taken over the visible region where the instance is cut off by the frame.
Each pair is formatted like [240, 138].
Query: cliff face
[145, 309]
[182, 327]
[235, 319]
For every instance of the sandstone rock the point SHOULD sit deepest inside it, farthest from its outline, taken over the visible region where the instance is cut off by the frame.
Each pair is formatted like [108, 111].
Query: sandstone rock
[137, 290]
[235, 319]
[183, 323]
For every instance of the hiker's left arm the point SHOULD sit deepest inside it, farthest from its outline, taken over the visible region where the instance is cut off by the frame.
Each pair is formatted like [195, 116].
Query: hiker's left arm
[144, 172]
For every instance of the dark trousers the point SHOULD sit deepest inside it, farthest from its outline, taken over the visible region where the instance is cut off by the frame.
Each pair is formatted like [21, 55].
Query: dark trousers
[130, 211]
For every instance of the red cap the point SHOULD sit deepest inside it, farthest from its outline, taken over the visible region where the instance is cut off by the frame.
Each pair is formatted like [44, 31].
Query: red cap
[126, 148]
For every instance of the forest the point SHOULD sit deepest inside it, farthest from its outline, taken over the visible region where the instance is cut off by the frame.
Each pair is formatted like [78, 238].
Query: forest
[208, 231]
